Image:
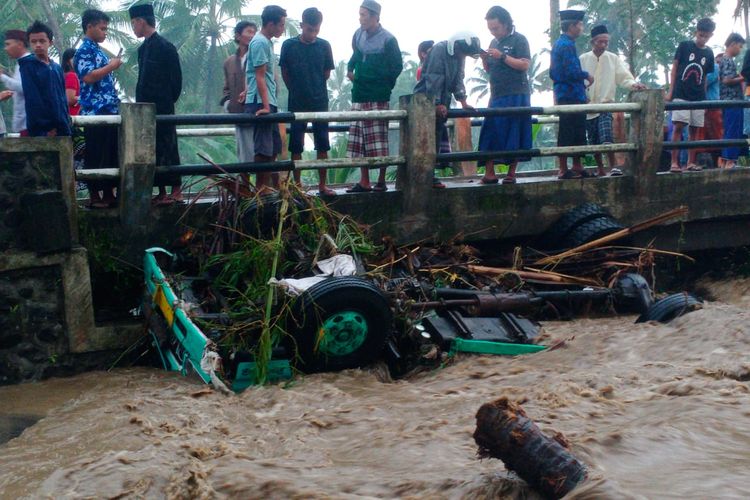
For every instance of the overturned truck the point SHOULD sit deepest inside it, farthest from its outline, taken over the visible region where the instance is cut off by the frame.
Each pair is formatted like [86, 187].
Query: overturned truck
[411, 307]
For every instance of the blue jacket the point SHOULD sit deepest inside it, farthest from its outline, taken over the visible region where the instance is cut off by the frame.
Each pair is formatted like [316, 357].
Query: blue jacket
[46, 103]
[565, 70]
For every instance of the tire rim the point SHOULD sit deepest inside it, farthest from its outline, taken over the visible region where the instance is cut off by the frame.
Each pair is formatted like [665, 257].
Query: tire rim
[342, 333]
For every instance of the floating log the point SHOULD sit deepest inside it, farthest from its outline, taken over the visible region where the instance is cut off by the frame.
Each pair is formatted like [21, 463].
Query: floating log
[505, 432]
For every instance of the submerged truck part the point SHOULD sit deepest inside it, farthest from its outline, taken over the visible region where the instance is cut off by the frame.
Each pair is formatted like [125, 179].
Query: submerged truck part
[505, 432]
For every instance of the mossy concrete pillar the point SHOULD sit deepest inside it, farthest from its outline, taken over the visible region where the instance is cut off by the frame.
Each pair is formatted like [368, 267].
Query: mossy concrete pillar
[137, 162]
[418, 147]
[647, 132]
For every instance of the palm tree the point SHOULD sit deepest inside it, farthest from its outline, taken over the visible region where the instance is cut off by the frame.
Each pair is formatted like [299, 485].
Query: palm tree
[481, 83]
[742, 10]
[339, 89]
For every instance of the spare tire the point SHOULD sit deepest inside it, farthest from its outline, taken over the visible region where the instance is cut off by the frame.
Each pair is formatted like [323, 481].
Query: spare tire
[591, 230]
[668, 308]
[339, 323]
[573, 218]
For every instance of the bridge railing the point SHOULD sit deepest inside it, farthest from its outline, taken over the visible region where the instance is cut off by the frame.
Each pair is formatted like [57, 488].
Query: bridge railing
[417, 156]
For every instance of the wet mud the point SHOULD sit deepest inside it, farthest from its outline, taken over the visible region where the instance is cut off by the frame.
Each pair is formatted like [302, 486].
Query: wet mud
[655, 411]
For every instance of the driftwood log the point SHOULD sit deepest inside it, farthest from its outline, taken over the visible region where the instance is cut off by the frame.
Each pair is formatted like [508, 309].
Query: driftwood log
[505, 432]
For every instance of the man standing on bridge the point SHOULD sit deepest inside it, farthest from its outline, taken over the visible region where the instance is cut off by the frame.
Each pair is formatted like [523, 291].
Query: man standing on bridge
[373, 70]
[565, 70]
[98, 97]
[443, 77]
[609, 73]
[159, 82]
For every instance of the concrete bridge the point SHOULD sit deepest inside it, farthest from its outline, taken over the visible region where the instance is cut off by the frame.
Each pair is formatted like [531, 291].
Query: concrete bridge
[48, 242]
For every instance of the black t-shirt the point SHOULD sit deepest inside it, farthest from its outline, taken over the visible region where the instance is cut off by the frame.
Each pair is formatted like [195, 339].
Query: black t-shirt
[693, 65]
[505, 80]
[305, 65]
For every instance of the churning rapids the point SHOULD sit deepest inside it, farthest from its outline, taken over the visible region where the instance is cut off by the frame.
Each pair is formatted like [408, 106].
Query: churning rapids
[656, 411]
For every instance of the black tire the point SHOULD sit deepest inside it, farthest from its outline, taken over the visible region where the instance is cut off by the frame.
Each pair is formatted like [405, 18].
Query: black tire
[668, 308]
[571, 220]
[260, 218]
[339, 302]
[591, 230]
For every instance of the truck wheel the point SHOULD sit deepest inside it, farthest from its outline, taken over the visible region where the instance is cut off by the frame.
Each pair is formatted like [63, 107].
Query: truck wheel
[570, 220]
[591, 230]
[339, 323]
[668, 308]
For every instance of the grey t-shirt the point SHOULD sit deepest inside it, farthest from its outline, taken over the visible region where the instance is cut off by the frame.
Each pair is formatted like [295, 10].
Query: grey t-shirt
[505, 80]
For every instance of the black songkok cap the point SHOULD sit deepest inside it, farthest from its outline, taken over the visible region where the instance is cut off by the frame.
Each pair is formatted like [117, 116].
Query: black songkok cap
[142, 10]
[597, 30]
[571, 15]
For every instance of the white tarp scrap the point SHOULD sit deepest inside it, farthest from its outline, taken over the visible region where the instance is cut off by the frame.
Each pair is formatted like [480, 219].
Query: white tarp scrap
[338, 265]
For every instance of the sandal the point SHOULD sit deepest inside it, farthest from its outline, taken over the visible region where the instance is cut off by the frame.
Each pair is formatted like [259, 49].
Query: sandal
[489, 180]
[509, 180]
[436, 184]
[359, 188]
[675, 168]
[567, 175]
[327, 193]
[615, 172]
[692, 167]
[380, 187]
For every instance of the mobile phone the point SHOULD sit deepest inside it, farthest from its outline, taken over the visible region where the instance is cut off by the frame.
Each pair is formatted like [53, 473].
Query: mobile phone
[119, 54]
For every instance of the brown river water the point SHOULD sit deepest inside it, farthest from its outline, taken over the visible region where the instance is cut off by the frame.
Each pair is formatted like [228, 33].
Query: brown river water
[656, 411]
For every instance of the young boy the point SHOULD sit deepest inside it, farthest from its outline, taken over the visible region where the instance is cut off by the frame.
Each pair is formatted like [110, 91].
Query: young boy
[693, 61]
[306, 62]
[98, 97]
[565, 70]
[43, 86]
[261, 89]
[730, 89]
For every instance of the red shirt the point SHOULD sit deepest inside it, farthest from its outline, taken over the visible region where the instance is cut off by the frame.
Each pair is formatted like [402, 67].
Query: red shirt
[71, 82]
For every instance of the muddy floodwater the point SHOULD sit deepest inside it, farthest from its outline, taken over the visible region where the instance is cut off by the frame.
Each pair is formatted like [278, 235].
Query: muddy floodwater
[656, 411]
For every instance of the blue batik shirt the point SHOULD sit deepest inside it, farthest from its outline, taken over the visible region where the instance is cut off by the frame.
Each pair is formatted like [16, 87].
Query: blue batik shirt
[99, 98]
[565, 70]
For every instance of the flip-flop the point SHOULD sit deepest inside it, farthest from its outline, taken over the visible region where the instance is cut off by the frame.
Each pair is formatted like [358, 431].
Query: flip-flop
[359, 188]
[327, 193]
[675, 169]
[692, 167]
[492, 180]
[380, 187]
[567, 175]
[509, 180]
[436, 184]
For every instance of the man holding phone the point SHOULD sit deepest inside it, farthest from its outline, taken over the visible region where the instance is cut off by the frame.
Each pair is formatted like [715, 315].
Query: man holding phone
[98, 97]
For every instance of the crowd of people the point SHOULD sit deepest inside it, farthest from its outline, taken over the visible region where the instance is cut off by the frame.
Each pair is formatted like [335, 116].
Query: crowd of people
[46, 94]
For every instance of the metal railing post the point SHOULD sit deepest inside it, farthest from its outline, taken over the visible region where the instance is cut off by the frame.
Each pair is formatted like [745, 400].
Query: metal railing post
[137, 162]
[647, 131]
[418, 147]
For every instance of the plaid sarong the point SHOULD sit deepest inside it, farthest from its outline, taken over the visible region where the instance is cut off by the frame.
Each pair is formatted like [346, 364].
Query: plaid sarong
[368, 138]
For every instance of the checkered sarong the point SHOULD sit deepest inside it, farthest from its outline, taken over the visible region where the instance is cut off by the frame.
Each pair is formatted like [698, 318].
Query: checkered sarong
[599, 129]
[368, 137]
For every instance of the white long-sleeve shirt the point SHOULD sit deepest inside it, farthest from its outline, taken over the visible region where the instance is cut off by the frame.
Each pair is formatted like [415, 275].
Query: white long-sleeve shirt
[19, 101]
[609, 72]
